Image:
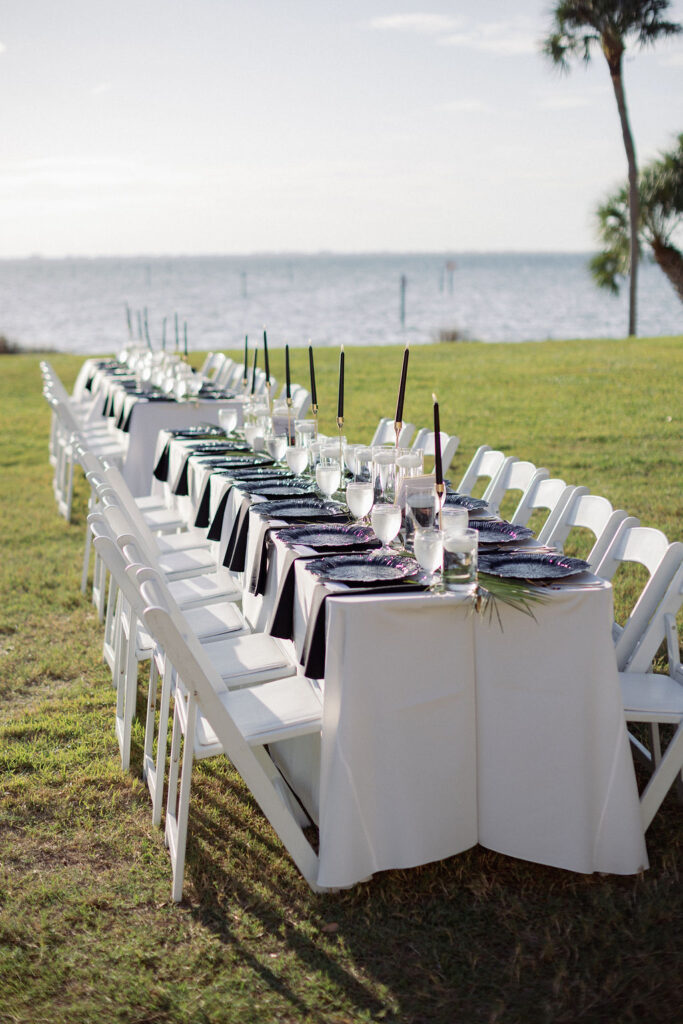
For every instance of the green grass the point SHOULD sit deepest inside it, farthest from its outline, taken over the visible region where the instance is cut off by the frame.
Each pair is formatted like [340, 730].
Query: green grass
[87, 929]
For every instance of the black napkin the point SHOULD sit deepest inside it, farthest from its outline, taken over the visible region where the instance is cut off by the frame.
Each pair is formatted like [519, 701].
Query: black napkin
[313, 651]
[161, 468]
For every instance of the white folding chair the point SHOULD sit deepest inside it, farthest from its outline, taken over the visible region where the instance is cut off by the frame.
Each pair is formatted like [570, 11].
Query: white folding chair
[656, 698]
[512, 476]
[546, 493]
[584, 511]
[485, 465]
[239, 723]
[650, 548]
[424, 442]
[214, 364]
[385, 433]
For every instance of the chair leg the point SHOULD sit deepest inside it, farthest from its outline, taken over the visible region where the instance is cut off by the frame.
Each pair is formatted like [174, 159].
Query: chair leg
[177, 814]
[668, 771]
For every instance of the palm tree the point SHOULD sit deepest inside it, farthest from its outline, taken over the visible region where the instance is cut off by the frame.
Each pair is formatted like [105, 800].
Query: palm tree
[578, 26]
[661, 216]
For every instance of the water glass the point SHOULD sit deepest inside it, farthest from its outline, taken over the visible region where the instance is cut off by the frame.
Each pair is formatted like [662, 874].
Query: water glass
[386, 520]
[304, 432]
[328, 475]
[421, 507]
[460, 561]
[228, 419]
[408, 463]
[297, 458]
[454, 518]
[428, 548]
[384, 474]
[276, 446]
[362, 464]
[359, 497]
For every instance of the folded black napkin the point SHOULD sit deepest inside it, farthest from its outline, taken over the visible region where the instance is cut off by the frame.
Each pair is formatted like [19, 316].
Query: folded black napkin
[313, 652]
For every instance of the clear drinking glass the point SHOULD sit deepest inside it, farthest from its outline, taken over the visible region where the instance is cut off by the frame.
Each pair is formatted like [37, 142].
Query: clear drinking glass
[409, 463]
[454, 518]
[359, 497]
[362, 465]
[304, 432]
[428, 548]
[386, 520]
[276, 446]
[421, 506]
[227, 419]
[328, 475]
[297, 458]
[460, 560]
[384, 474]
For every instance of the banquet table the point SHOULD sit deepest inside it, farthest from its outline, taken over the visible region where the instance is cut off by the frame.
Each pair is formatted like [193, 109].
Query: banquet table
[442, 728]
[140, 420]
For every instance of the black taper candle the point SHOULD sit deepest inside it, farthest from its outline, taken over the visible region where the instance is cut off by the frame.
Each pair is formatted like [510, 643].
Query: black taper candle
[185, 335]
[288, 381]
[130, 322]
[177, 336]
[147, 337]
[245, 378]
[340, 401]
[402, 387]
[438, 468]
[139, 325]
[163, 334]
[265, 356]
[253, 372]
[314, 393]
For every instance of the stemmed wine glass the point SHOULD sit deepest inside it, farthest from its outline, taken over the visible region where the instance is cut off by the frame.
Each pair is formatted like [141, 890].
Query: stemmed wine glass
[296, 457]
[386, 522]
[359, 498]
[328, 475]
[228, 419]
[428, 549]
[276, 446]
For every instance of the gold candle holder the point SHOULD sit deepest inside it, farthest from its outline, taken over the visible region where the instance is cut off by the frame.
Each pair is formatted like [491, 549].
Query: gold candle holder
[440, 488]
[314, 410]
[398, 427]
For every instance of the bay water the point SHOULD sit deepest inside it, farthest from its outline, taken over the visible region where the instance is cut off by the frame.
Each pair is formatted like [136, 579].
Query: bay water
[78, 304]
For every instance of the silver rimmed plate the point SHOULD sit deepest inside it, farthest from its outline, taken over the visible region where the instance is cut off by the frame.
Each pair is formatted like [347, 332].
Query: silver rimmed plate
[365, 570]
[531, 566]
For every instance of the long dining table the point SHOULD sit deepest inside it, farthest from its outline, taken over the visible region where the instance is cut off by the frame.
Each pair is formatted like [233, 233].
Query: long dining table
[444, 727]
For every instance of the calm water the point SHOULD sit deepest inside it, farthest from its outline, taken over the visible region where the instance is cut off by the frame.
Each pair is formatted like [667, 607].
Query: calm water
[77, 305]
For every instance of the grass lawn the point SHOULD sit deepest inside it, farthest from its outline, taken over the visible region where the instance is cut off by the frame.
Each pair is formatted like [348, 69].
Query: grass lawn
[88, 932]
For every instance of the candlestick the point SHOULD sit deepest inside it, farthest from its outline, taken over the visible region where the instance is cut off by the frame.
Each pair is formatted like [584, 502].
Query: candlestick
[402, 387]
[438, 468]
[163, 334]
[130, 323]
[288, 382]
[185, 336]
[177, 337]
[266, 361]
[245, 378]
[253, 372]
[147, 337]
[340, 399]
[314, 393]
[139, 325]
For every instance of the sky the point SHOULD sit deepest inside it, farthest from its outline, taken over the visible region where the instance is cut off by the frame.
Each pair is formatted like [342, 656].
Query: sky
[236, 126]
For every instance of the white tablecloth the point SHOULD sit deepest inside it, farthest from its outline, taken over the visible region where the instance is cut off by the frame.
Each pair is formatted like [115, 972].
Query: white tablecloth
[439, 731]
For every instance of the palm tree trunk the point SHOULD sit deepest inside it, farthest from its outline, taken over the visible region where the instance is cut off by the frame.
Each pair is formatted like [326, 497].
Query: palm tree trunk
[670, 260]
[633, 196]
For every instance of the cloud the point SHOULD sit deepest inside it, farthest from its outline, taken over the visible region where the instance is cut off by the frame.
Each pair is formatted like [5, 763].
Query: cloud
[465, 107]
[420, 22]
[508, 38]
